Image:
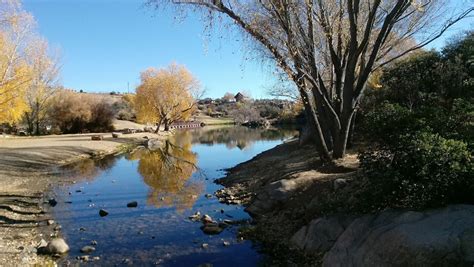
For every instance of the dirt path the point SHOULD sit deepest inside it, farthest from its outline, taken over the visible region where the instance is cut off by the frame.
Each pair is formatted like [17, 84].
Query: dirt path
[26, 173]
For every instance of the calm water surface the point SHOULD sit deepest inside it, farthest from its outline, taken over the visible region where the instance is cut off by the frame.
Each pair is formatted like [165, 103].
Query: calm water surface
[169, 185]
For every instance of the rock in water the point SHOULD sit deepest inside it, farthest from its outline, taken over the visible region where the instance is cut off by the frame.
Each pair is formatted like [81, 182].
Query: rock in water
[57, 246]
[87, 249]
[52, 202]
[103, 213]
[206, 219]
[84, 258]
[132, 204]
[195, 217]
[211, 229]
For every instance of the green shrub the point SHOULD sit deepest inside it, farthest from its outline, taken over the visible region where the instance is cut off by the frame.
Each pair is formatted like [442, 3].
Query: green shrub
[386, 123]
[422, 170]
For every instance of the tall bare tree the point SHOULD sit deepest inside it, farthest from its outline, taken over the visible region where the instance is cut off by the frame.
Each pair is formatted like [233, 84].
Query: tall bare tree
[44, 71]
[329, 48]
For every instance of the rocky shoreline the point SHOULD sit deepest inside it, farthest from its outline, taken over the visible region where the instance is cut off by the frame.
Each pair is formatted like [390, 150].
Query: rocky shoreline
[283, 190]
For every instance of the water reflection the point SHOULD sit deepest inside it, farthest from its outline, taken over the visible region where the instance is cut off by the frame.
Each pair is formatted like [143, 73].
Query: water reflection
[168, 184]
[88, 169]
[167, 171]
[240, 137]
[170, 172]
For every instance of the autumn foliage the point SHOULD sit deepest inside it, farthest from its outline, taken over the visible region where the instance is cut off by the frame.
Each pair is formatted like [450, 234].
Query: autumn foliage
[72, 112]
[166, 95]
[28, 72]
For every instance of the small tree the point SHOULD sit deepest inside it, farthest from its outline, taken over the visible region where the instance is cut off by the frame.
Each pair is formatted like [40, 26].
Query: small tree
[166, 95]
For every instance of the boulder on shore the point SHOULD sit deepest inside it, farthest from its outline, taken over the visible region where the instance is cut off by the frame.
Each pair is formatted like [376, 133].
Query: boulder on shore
[440, 237]
[55, 246]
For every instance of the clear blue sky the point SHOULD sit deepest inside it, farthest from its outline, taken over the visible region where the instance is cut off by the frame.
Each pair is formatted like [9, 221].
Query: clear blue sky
[105, 44]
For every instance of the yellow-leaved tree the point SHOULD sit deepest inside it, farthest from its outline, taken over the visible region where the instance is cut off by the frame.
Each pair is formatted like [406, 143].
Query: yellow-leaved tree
[166, 95]
[15, 73]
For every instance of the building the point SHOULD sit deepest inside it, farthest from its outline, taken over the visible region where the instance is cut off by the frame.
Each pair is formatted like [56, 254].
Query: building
[239, 97]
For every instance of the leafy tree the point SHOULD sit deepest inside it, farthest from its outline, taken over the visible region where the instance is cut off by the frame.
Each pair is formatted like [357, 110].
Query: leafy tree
[424, 136]
[15, 74]
[166, 95]
[330, 48]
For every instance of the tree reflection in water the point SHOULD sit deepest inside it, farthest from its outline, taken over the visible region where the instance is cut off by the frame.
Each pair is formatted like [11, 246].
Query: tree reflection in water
[240, 137]
[168, 172]
[88, 169]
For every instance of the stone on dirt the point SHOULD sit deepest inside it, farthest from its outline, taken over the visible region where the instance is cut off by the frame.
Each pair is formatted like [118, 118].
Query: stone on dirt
[56, 246]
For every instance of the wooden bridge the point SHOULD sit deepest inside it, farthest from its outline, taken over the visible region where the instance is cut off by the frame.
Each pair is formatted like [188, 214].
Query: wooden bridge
[186, 124]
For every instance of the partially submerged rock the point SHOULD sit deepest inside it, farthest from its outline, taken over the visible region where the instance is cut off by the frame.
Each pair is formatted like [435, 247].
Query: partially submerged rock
[132, 204]
[211, 229]
[87, 249]
[207, 219]
[103, 213]
[195, 217]
[55, 246]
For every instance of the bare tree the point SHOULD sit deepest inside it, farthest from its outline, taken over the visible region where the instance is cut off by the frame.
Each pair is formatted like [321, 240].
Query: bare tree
[44, 84]
[329, 48]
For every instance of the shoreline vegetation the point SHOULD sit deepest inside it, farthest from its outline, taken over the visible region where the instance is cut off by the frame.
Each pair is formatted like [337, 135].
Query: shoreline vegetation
[28, 170]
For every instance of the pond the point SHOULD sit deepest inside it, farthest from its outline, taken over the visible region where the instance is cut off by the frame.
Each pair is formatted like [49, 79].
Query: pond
[169, 185]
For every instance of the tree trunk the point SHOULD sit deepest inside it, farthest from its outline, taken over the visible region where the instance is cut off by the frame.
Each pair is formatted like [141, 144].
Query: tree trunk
[350, 140]
[29, 122]
[340, 142]
[158, 125]
[37, 127]
[167, 125]
[312, 117]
